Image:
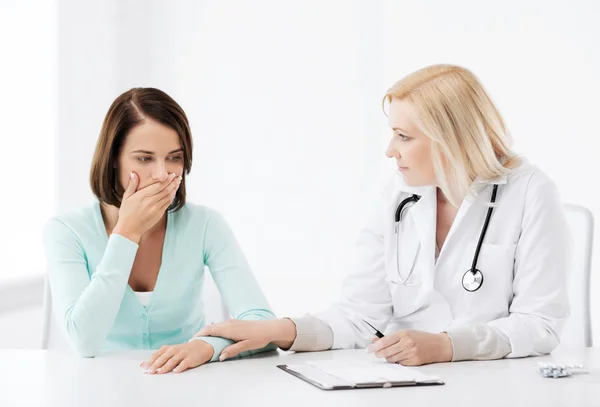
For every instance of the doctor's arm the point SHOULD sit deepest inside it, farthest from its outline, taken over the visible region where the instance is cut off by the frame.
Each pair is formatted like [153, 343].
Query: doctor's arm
[539, 308]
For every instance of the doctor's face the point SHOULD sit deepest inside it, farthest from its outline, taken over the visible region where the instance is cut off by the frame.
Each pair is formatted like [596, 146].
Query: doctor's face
[152, 151]
[410, 148]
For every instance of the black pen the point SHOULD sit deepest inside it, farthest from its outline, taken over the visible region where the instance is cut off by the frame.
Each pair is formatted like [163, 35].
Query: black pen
[377, 333]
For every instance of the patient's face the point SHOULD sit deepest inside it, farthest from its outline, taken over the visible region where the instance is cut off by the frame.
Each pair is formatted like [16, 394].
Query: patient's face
[152, 151]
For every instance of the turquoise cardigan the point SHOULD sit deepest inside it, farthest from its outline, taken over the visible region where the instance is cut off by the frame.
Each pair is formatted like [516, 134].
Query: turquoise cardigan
[97, 309]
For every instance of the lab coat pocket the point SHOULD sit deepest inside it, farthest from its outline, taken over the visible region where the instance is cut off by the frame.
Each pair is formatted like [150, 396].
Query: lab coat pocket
[404, 279]
[406, 298]
[496, 263]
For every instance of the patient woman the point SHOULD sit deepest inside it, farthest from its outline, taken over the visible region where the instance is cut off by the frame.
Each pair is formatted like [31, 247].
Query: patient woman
[127, 271]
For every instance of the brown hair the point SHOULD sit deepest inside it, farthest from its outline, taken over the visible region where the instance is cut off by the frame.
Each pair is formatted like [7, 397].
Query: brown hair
[127, 111]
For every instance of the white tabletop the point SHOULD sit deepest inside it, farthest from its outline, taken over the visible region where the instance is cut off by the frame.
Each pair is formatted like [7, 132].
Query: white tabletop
[52, 378]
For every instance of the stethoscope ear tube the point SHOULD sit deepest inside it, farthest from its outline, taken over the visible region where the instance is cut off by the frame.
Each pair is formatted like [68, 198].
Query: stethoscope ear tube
[398, 216]
[397, 219]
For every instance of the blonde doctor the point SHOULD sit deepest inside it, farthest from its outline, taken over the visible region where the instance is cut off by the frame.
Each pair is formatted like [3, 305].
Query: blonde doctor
[473, 266]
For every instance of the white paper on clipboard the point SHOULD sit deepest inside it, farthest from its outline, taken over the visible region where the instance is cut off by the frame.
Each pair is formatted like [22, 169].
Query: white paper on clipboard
[335, 372]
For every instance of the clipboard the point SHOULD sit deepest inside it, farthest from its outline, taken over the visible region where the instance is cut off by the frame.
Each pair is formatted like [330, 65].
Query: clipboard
[325, 381]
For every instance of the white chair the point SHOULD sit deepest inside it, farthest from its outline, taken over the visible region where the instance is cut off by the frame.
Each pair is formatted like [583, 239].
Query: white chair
[53, 338]
[578, 330]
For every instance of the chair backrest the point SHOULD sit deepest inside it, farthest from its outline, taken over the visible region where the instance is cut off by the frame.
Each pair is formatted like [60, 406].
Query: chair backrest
[53, 337]
[578, 330]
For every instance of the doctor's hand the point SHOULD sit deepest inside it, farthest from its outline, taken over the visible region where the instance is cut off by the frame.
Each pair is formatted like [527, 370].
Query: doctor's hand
[250, 335]
[178, 358]
[413, 348]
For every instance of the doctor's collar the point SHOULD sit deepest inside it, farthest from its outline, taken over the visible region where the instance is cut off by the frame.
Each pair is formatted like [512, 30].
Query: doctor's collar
[501, 180]
[480, 183]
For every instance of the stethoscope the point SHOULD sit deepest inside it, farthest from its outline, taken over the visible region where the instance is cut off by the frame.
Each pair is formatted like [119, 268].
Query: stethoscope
[472, 280]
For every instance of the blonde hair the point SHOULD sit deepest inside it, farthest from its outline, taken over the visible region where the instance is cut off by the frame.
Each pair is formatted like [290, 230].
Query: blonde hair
[469, 138]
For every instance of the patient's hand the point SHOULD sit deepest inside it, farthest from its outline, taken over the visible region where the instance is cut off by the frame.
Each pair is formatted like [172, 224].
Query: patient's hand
[178, 358]
[250, 335]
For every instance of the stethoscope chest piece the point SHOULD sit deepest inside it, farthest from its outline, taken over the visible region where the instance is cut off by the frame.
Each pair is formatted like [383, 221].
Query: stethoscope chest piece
[472, 281]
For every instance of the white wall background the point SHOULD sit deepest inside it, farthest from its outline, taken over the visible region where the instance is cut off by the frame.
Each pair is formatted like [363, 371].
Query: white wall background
[284, 103]
[28, 123]
[27, 148]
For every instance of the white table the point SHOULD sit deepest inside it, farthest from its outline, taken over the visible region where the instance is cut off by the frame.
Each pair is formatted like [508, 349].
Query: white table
[52, 378]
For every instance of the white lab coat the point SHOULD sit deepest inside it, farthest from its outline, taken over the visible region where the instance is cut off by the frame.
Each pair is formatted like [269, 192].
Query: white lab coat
[525, 259]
